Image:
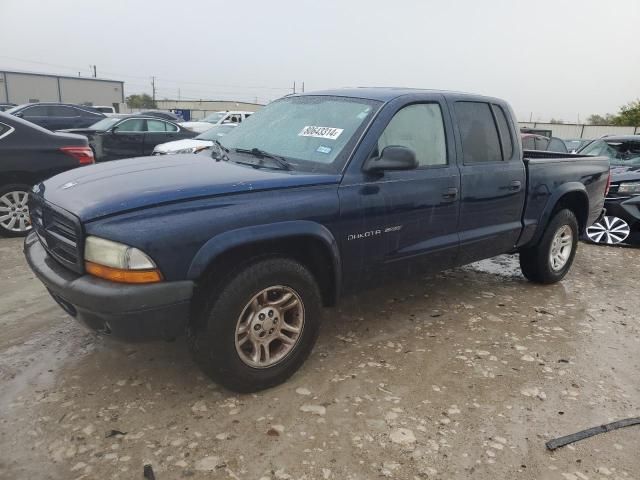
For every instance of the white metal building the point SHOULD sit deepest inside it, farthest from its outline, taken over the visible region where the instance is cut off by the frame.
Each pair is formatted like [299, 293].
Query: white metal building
[27, 87]
[579, 130]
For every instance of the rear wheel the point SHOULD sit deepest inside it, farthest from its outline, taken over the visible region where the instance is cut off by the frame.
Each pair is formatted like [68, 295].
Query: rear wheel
[550, 260]
[14, 212]
[259, 328]
[609, 230]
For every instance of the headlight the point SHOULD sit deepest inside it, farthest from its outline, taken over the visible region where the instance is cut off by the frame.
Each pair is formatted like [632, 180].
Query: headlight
[629, 188]
[119, 263]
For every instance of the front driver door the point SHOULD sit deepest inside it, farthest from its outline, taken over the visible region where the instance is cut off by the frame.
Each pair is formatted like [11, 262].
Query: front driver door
[125, 140]
[404, 219]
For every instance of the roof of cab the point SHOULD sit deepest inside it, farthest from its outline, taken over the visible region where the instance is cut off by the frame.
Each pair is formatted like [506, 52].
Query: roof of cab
[385, 94]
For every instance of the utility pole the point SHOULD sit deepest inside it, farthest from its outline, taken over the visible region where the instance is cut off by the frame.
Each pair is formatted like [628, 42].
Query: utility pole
[153, 88]
[93, 67]
[302, 87]
[294, 87]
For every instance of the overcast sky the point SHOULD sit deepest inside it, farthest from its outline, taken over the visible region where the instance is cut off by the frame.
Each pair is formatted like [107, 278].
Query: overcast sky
[562, 58]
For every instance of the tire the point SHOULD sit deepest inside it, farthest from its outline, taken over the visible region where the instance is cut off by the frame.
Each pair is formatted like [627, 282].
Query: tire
[14, 215]
[560, 239]
[229, 325]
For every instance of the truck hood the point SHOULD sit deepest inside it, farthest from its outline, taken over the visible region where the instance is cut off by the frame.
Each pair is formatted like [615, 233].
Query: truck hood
[114, 187]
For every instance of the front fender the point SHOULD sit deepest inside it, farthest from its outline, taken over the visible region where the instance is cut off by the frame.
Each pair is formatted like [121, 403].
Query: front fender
[224, 242]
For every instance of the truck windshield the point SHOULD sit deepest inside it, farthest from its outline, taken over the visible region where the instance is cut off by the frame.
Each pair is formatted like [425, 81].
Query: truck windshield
[310, 132]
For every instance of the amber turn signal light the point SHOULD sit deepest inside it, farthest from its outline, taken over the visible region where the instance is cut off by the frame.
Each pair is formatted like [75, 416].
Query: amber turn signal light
[123, 276]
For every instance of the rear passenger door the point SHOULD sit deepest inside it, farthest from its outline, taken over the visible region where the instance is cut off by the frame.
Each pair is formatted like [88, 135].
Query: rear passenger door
[158, 131]
[493, 181]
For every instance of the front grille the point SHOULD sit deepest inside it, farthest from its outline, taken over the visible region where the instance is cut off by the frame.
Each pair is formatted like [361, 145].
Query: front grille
[59, 231]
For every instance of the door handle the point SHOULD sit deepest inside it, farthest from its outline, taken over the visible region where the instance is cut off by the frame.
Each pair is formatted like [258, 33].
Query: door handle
[514, 186]
[450, 194]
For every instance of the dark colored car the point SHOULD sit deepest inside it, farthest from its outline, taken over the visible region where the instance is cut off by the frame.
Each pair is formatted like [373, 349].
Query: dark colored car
[6, 106]
[317, 194]
[538, 142]
[28, 155]
[622, 221]
[57, 116]
[130, 136]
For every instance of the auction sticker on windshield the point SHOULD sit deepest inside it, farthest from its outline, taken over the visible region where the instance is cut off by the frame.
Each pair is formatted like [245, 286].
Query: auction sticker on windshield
[329, 133]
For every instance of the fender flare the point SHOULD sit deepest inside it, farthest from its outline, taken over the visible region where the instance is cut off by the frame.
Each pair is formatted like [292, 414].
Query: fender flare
[223, 242]
[558, 193]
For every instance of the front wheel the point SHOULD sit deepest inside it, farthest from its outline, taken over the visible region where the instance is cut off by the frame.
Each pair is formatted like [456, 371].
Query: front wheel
[550, 260]
[259, 328]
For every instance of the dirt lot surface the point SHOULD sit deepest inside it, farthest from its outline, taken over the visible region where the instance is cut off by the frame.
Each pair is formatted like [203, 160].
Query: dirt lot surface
[463, 375]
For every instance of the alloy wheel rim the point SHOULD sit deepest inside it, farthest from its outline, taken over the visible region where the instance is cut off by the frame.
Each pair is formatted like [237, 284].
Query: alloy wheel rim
[270, 326]
[561, 247]
[14, 212]
[609, 230]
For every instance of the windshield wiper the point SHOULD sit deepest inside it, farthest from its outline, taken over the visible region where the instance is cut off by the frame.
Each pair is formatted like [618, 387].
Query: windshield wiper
[256, 152]
[221, 154]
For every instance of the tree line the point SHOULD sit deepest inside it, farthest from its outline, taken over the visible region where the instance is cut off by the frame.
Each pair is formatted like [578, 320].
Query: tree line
[628, 116]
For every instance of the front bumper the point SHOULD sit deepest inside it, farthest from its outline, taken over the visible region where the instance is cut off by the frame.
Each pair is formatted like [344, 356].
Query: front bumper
[130, 312]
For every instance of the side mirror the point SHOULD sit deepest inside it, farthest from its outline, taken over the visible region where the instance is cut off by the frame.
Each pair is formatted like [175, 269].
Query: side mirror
[393, 157]
[19, 114]
[114, 129]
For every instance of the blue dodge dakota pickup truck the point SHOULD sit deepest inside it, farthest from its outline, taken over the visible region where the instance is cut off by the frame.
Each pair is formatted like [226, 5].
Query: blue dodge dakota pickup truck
[313, 195]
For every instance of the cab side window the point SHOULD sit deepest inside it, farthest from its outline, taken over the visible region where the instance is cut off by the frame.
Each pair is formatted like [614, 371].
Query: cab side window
[479, 133]
[419, 127]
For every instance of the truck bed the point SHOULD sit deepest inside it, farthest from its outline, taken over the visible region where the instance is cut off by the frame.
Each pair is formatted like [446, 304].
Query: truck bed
[549, 176]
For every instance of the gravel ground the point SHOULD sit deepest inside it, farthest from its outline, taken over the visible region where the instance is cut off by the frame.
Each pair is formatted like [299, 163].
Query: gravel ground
[465, 374]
